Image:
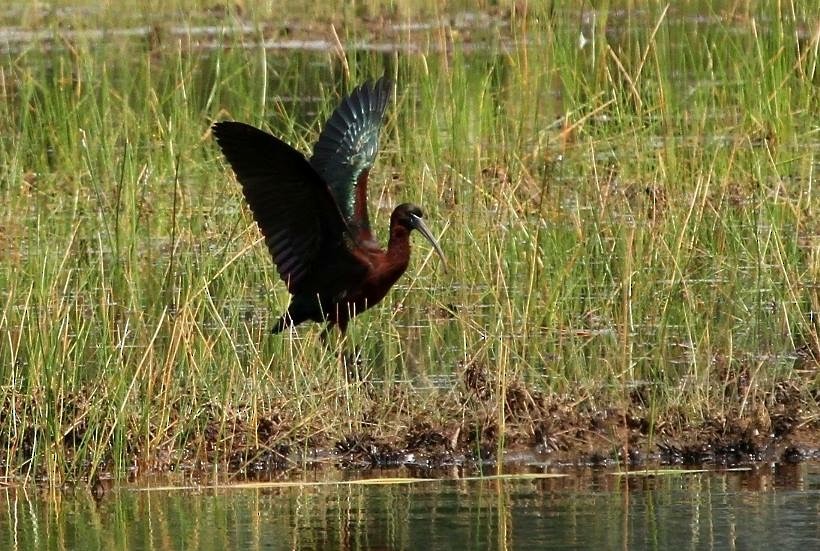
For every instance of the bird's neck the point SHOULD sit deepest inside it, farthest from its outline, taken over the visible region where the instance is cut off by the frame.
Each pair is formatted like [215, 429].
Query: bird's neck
[398, 247]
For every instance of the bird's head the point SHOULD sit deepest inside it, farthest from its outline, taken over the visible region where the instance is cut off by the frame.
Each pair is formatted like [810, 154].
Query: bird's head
[411, 217]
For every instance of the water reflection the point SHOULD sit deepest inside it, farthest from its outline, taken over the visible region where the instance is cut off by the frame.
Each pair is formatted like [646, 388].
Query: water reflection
[585, 510]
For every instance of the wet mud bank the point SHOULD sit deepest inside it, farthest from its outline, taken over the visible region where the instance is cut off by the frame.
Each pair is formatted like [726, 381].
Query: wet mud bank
[476, 428]
[478, 423]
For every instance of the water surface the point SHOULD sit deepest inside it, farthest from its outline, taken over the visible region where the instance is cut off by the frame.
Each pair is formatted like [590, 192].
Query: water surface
[587, 509]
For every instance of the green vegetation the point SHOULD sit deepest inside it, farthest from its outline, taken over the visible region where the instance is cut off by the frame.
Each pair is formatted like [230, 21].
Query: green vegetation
[630, 225]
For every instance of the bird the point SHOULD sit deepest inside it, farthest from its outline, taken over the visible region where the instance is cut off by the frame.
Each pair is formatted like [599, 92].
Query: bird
[313, 212]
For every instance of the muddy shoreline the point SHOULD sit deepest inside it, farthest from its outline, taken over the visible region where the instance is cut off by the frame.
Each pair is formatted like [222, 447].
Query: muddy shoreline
[608, 438]
[463, 428]
[478, 422]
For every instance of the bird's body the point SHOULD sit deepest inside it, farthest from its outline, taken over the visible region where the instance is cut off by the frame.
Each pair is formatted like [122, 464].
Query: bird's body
[313, 214]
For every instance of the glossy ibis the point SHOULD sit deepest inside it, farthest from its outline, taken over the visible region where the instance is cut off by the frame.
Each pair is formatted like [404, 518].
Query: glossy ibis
[313, 213]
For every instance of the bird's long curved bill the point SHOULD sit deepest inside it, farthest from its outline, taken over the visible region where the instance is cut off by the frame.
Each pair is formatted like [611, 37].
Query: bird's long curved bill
[425, 231]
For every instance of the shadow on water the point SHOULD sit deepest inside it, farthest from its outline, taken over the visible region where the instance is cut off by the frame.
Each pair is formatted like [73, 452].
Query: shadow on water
[585, 509]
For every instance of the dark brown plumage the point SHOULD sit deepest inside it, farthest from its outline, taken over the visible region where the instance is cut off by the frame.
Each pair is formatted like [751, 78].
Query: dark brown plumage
[313, 214]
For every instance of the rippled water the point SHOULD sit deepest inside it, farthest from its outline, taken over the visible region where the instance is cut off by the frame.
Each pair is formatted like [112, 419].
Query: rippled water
[749, 509]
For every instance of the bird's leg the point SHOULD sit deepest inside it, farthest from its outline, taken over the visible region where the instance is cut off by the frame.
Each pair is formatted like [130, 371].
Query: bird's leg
[353, 364]
[350, 362]
[350, 358]
[336, 345]
[325, 335]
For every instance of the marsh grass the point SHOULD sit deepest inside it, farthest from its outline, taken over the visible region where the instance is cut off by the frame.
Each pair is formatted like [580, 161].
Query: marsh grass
[631, 225]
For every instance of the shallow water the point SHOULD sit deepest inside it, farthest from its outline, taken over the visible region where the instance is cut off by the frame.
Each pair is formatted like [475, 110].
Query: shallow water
[752, 509]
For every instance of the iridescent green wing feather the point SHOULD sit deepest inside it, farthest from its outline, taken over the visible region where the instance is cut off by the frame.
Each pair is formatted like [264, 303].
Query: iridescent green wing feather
[347, 148]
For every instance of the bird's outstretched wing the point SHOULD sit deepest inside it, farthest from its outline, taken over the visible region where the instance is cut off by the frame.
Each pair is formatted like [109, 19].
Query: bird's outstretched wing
[291, 204]
[347, 148]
